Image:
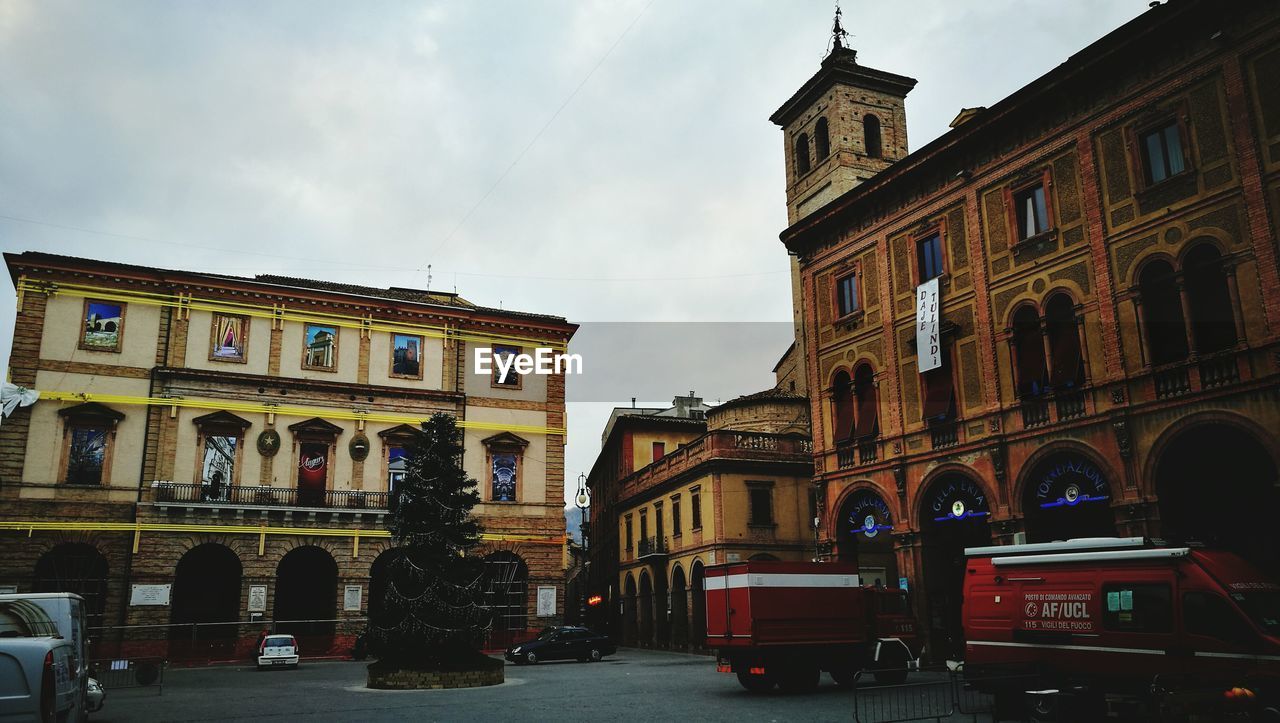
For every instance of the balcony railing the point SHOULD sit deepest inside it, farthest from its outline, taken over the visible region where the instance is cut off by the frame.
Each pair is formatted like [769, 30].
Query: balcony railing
[1035, 412]
[867, 451]
[1172, 382]
[1070, 403]
[259, 496]
[944, 435]
[1218, 371]
[653, 546]
[846, 456]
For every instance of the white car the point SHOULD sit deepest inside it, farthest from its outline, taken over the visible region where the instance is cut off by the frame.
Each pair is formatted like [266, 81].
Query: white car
[96, 698]
[278, 651]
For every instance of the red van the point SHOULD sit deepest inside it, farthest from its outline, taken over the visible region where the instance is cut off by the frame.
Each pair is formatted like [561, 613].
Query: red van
[1123, 617]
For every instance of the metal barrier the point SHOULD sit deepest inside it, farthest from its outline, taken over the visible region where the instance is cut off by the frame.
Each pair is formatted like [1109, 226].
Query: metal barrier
[196, 643]
[949, 696]
[129, 673]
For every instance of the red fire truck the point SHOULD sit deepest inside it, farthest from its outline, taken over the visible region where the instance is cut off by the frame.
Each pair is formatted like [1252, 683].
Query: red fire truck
[783, 623]
[1116, 619]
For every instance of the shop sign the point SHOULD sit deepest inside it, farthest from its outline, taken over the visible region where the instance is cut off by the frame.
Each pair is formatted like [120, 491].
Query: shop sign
[960, 499]
[868, 514]
[1070, 482]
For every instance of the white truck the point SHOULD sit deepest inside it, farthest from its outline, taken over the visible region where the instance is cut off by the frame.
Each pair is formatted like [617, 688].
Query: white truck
[42, 677]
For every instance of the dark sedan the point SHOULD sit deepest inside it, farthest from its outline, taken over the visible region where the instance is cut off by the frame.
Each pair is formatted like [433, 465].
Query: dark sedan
[566, 643]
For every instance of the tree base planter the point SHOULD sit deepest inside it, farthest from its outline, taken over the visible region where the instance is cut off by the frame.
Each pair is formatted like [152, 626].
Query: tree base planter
[386, 677]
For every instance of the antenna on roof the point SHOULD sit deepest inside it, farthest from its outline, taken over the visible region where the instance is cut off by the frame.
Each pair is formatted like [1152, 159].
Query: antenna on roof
[428, 277]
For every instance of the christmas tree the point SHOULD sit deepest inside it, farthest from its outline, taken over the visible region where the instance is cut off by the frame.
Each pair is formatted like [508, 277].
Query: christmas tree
[431, 617]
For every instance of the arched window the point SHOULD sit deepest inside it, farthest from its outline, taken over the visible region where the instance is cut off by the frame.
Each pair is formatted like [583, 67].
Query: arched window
[864, 390]
[1162, 319]
[842, 401]
[821, 139]
[802, 154]
[1028, 348]
[871, 136]
[1212, 319]
[1066, 362]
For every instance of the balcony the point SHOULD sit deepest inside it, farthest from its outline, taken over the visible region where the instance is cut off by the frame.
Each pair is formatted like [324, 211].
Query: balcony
[1171, 382]
[176, 494]
[1035, 412]
[652, 547]
[1070, 403]
[852, 453]
[945, 434]
[1219, 371]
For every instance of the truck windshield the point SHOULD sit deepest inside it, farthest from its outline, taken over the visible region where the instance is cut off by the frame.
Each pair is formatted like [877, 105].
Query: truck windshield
[1263, 607]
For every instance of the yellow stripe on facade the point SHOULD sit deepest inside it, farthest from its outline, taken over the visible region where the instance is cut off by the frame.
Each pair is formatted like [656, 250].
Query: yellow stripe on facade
[274, 312]
[283, 410]
[137, 528]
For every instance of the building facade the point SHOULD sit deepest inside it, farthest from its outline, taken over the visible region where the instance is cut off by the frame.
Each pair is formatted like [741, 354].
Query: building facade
[1086, 272]
[686, 493]
[211, 451]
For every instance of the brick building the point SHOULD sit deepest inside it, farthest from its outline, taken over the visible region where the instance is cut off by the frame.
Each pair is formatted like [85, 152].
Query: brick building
[216, 449]
[1107, 346]
[676, 490]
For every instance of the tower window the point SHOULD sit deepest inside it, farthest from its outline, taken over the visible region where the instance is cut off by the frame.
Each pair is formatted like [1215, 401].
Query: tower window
[822, 139]
[871, 136]
[802, 154]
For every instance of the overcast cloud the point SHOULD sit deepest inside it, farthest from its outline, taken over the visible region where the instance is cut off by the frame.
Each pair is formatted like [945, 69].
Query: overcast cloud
[360, 142]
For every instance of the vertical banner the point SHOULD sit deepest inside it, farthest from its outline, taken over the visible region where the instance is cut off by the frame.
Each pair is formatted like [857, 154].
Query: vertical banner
[928, 341]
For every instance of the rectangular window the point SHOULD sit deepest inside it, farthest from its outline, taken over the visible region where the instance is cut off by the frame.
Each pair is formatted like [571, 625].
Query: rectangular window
[1162, 152]
[695, 508]
[230, 338]
[217, 469]
[510, 380]
[675, 516]
[939, 391]
[103, 326]
[847, 295]
[659, 450]
[86, 455]
[321, 347]
[644, 524]
[1030, 212]
[397, 466]
[1137, 607]
[630, 534]
[929, 256]
[761, 499]
[659, 522]
[813, 508]
[1210, 615]
[504, 477]
[406, 356]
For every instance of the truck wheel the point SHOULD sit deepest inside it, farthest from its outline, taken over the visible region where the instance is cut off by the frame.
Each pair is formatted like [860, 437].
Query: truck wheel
[845, 677]
[755, 683]
[891, 668]
[800, 678]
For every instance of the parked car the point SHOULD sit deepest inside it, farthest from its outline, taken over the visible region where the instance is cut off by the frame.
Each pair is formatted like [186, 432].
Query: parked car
[39, 670]
[278, 650]
[564, 643]
[96, 698]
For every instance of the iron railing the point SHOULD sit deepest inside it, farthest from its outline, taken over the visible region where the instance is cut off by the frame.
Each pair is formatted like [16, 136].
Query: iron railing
[262, 496]
[653, 546]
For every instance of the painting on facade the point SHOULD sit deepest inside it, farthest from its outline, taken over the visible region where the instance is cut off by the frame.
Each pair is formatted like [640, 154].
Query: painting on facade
[321, 346]
[217, 471]
[406, 355]
[103, 324]
[230, 337]
[511, 378]
[504, 478]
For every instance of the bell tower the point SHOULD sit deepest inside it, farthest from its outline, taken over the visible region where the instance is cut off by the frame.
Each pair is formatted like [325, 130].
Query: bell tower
[845, 124]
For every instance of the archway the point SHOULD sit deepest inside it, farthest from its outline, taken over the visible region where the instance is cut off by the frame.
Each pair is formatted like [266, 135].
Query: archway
[646, 609]
[953, 515]
[679, 609]
[661, 611]
[206, 601]
[506, 594]
[379, 573]
[864, 537]
[307, 597]
[1217, 484]
[698, 618]
[79, 568]
[1066, 495]
[630, 630]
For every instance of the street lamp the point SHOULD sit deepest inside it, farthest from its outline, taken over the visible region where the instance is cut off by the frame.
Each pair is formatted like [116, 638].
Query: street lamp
[583, 501]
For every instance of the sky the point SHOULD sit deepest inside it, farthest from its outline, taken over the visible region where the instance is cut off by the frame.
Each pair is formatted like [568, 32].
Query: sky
[605, 161]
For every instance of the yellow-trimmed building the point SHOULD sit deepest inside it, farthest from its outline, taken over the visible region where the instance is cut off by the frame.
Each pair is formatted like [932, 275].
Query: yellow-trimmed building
[209, 453]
